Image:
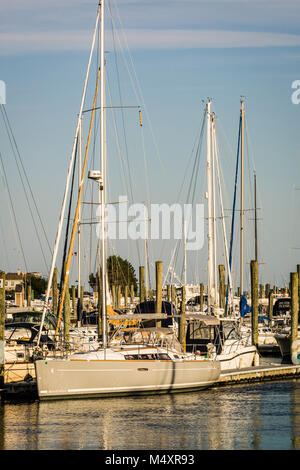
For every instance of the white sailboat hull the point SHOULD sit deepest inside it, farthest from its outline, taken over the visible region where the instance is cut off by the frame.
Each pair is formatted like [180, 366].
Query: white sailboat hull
[59, 379]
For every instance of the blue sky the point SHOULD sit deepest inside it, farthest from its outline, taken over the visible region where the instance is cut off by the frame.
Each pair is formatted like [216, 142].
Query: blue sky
[183, 52]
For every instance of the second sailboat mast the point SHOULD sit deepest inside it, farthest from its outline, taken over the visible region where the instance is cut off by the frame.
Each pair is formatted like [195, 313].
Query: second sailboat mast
[103, 171]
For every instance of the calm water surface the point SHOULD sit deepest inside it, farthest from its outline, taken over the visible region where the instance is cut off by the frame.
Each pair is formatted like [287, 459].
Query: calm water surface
[264, 416]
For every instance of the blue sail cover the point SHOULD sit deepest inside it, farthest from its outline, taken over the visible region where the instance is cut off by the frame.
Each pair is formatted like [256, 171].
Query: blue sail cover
[245, 308]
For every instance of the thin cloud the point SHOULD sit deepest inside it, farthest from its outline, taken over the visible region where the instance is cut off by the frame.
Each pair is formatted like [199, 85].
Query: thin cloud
[144, 39]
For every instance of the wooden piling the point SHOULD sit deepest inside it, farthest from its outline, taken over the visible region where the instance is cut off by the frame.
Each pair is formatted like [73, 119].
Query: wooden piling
[169, 295]
[261, 291]
[126, 297]
[158, 303]
[132, 293]
[298, 271]
[270, 307]
[267, 290]
[142, 283]
[254, 301]
[54, 292]
[294, 318]
[2, 328]
[182, 320]
[174, 295]
[201, 296]
[29, 295]
[222, 285]
[118, 297]
[113, 291]
[81, 295]
[73, 303]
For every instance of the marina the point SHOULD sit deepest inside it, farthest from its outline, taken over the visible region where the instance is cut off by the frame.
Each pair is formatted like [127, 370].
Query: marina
[146, 324]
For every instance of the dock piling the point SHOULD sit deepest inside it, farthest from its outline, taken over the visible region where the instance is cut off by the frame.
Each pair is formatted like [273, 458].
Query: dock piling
[294, 318]
[54, 292]
[158, 305]
[182, 320]
[142, 283]
[254, 301]
[2, 328]
[222, 285]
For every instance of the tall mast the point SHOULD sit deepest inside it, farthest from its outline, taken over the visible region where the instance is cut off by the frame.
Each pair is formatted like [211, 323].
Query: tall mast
[79, 223]
[103, 171]
[210, 266]
[213, 158]
[242, 201]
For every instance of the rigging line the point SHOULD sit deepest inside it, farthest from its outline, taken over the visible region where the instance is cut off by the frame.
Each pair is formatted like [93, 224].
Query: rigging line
[76, 214]
[196, 142]
[123, 122]
[222, 147]
[68, 225]
[117, 141]
[197, 161]
[193, 184]
[13, 212]
[123, 164]
[224, 143]
[194, 177]
[60, 223]
[25, 192]
[249, 174]
[92, 187]
[30, 189]
[233, 211]
[4, 244]
[222, 209]
[121, 102]
[250, 144]
[140, 90]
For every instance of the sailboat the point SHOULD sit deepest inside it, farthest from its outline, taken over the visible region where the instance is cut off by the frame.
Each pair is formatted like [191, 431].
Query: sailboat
[223, 340]
[141, 363]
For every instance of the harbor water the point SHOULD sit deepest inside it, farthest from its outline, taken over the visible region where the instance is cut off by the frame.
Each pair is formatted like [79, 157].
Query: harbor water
[261, 416]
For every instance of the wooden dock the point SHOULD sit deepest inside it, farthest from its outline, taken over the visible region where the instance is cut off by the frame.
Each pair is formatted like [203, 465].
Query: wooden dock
[262, 373]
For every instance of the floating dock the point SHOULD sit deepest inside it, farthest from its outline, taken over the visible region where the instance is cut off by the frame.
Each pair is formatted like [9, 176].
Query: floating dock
[262, 373]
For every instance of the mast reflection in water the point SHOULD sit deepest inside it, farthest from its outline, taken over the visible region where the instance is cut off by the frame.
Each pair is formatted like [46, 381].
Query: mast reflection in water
[259, 417]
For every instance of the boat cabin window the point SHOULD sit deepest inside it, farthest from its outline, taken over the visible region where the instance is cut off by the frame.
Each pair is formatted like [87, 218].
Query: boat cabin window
[151, 357]
[229, 332]
[35, 318]
[197, 331]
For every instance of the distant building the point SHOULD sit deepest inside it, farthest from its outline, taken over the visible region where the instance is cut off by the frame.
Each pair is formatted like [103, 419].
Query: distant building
[12, 280]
